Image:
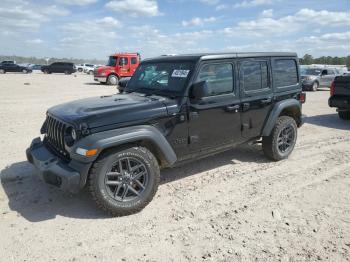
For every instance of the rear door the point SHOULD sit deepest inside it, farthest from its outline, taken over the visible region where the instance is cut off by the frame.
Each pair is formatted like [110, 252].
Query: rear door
[133, 64]
[256, 94]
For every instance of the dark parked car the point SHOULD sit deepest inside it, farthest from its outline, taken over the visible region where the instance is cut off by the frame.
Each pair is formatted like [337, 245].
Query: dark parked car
[59, 67]
[9, 66]
[174, 109]
[340, 96]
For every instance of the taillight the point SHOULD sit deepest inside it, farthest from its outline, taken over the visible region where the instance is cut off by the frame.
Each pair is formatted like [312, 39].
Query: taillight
[331, 90]
[302, 97]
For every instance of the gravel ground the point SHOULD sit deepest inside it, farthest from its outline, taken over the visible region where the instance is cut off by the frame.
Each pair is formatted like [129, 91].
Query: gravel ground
[235, 206]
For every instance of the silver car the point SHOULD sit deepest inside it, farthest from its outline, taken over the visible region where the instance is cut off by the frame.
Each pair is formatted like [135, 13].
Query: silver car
[312, 78]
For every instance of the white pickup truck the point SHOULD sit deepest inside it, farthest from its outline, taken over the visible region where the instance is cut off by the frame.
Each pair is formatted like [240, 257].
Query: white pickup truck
[86, 68]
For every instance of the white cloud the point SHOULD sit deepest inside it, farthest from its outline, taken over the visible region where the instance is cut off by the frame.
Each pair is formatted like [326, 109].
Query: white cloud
[76, 2]
[34, 41]
[267, 13]
[305, 18]
[197, 21]
[135, 8]
[209, 2]
[253, 3]
[25, 16]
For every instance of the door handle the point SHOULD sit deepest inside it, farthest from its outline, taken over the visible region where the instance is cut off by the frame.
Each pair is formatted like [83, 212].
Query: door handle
[266, 101]
[246, 106]
[232, 108]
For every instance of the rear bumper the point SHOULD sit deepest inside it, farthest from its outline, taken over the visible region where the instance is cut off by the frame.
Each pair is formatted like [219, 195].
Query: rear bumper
[55, 171]
[100, 78]
[341, 102]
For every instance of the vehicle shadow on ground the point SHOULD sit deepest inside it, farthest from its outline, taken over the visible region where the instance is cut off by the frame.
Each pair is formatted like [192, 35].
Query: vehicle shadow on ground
[329, 120]
[37, 201]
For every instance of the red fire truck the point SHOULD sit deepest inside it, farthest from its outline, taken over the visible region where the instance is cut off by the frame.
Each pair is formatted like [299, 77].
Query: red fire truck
[120, 65]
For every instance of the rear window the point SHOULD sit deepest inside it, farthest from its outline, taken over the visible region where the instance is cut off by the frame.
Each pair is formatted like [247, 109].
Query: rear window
[285, 72]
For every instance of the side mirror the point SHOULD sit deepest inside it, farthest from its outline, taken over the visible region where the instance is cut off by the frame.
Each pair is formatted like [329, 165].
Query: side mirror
[200, 90]
[324, 72]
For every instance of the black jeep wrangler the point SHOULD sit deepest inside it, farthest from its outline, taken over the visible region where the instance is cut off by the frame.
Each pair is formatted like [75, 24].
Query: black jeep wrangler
[173, 109]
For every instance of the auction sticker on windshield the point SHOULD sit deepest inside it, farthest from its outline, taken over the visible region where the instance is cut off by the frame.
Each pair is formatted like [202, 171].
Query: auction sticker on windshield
[180, 73]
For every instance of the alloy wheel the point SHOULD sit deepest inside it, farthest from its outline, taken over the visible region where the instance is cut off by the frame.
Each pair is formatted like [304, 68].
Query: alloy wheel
[127, 179]
[286, 139]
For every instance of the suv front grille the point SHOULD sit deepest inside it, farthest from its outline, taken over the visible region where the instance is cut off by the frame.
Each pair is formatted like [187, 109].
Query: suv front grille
[55, 136]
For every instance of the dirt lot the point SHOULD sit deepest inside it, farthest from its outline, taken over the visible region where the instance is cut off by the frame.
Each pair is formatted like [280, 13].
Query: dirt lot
[236, 206]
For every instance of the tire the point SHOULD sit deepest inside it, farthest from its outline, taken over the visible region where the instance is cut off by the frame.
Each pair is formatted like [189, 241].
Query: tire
[344, 115]
[115, 193]
[2, 71]
[112, 80]
[90, 72]
[315, 86]
[24, 71]
[80, 70]
[66, 72]
[46, 71]
[284, 132]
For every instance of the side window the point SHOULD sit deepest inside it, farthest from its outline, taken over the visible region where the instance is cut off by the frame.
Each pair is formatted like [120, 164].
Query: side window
[285, 72]
[219, 78]
[254, 75]
[123, 61]
[133, 60]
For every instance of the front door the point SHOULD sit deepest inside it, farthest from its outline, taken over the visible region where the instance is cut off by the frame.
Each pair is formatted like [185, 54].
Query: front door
[124, 66]
[256, 95]
[214, 121]
[327, 76]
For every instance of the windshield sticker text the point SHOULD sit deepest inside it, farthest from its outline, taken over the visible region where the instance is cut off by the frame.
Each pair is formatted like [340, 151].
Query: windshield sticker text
[180, 73]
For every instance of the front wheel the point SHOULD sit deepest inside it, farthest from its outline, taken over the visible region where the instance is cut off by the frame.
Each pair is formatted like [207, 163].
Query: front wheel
[280, 143]
[2, 71]
[315, 86]
[344, 115]
[112, 80]
[24, 71]
[124, 182]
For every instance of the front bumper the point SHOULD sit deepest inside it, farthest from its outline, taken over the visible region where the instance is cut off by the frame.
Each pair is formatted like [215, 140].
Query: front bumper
[100, 78]
[307, 85]
[339, 101]
[68, 176]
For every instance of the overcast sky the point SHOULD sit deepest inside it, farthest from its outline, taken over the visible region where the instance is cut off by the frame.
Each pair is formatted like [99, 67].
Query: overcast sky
[96, 28]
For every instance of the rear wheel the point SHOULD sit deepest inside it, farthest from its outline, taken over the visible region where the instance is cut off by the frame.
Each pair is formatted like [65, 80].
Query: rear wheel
[90, 72]
[344, 115]
[46, 71]
[24, 71]
[112, 80]
[315, 86]
[66, 72]
[124, 182]
[80, 70]
[280, 143]
[2, 71]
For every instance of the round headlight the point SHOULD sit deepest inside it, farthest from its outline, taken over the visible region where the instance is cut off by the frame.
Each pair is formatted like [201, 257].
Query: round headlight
[73, 134]
[70, 136]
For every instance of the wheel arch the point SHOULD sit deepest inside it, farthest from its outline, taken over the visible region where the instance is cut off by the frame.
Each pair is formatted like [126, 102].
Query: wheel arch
[118, 139]
[288, 107]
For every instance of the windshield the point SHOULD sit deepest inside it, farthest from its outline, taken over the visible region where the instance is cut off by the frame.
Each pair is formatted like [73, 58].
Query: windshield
[161, 78]
[111, 61]
[311, 71]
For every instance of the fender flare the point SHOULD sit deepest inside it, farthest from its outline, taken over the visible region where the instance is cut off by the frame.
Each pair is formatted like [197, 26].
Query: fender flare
[276, 111]
[120, 136]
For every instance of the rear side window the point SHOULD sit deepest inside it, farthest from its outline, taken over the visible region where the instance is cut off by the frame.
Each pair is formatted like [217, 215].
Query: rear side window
[285, 72]
[133, 60]
[254, 75]
[219, 78]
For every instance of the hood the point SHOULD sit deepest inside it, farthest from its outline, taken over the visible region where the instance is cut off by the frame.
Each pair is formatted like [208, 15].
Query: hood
[115, 110]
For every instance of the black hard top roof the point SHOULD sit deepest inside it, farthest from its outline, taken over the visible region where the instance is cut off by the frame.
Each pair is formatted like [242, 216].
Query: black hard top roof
[209, 56]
